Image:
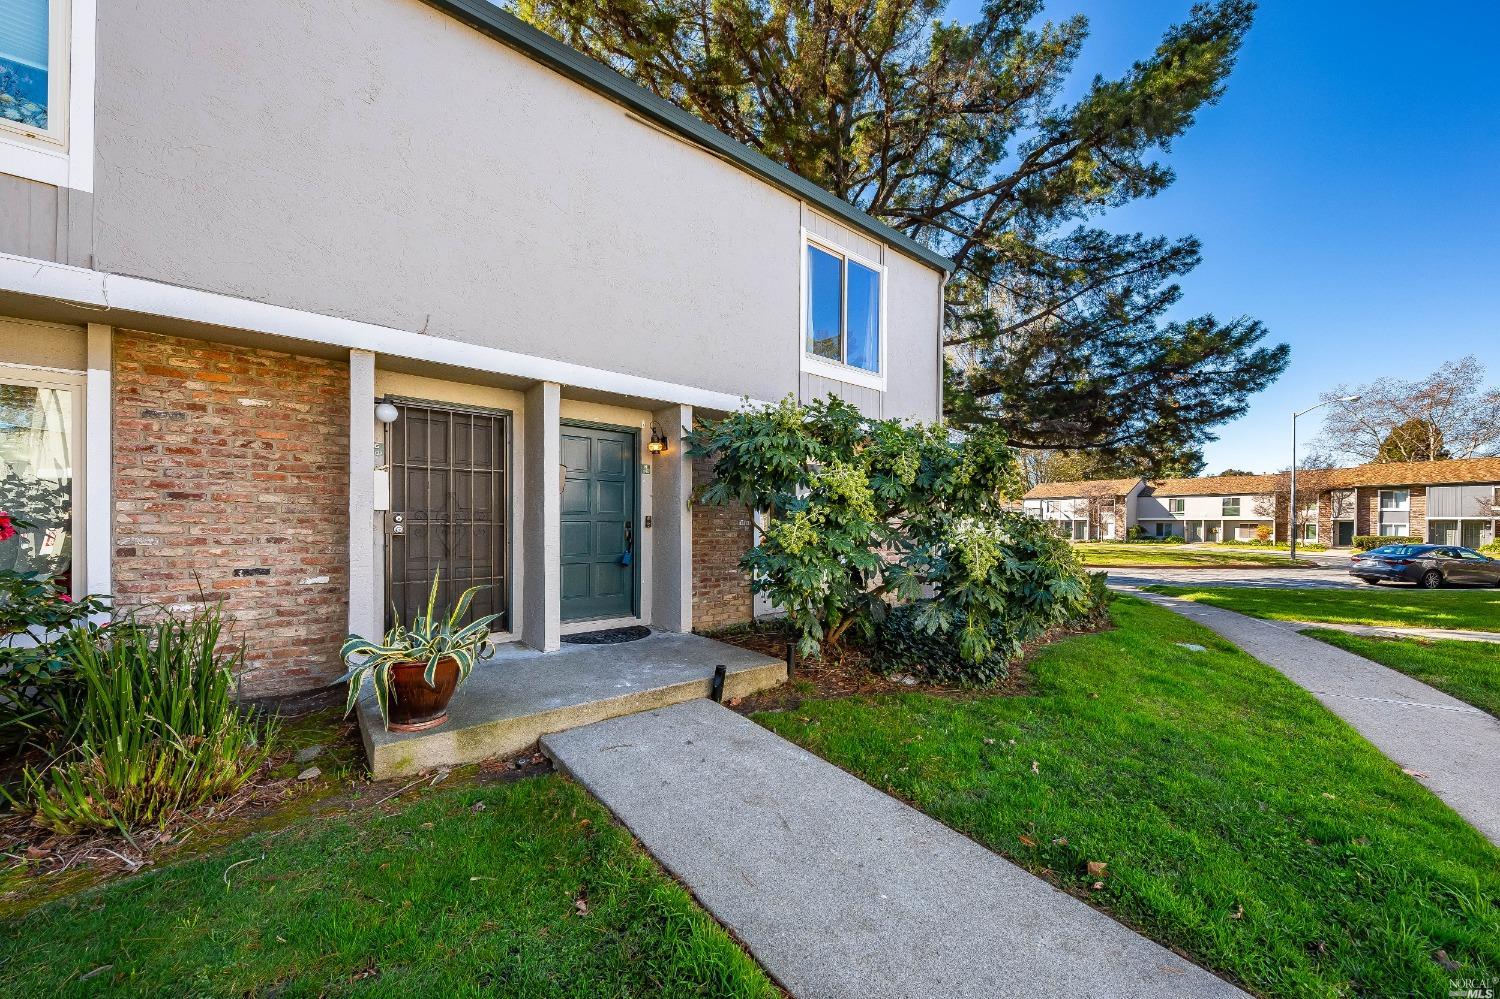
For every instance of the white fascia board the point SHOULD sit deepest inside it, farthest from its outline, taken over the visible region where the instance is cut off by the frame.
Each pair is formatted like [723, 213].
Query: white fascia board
[103, 291]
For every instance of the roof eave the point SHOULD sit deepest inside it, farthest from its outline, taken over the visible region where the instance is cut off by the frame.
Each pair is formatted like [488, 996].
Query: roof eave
[514, 33]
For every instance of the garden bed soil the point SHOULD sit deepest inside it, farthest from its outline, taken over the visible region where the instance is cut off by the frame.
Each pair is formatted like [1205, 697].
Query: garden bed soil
[847, 672]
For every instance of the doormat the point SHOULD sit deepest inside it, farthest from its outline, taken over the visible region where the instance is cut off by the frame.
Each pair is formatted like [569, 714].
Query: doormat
[609, 636]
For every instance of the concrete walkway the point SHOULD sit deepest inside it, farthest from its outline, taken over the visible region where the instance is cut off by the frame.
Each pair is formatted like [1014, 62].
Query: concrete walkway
[1381, 631]
[1451, 747]
[840, 890]
[1267, 577]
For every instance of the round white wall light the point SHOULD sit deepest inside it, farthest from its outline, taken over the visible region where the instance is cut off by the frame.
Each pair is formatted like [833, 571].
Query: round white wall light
[386, 413]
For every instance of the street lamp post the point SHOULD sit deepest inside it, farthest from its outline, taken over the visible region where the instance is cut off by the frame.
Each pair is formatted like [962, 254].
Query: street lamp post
[1292, 512]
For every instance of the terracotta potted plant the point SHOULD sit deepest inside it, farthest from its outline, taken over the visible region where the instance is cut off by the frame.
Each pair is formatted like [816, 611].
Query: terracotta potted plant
[416, 667]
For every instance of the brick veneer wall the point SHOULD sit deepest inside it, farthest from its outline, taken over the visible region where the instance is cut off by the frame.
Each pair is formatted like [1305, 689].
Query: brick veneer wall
[721, 534]
[228, 458]
[1418, 521]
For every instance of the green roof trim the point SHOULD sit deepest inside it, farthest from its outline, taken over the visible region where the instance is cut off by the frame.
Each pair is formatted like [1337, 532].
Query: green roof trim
[512, 32]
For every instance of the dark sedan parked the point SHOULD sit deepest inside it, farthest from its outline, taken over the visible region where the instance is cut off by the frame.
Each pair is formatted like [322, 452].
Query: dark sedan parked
[1429, 566]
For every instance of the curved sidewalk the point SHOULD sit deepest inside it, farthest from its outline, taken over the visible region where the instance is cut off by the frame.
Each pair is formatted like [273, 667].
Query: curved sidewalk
[841, 890]
[1451, 747]
[1383, 631]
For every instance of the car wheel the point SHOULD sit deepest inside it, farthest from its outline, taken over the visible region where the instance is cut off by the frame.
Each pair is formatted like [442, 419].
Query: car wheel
[1370, 582]
[1432, 580]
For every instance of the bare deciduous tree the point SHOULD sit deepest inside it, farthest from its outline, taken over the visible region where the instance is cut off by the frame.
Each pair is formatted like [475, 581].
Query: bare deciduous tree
[1450, 413]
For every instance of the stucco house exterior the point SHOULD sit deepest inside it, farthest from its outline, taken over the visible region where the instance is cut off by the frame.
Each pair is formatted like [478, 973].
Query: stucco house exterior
[1453, 502]
[1099, 510]
[302, 303]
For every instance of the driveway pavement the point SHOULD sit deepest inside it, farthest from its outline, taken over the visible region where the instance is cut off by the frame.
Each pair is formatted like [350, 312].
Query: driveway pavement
[1320, 578]
[1451, 747]
[841, 890]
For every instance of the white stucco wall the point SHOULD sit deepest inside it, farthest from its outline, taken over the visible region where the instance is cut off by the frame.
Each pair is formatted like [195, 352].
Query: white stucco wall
[1200, 508]
[381, 161]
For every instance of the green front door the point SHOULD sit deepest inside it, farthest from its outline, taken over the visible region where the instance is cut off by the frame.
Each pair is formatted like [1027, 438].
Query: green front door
[598, 523]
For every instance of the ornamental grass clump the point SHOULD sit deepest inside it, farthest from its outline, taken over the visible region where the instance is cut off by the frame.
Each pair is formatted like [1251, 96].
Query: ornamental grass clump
[158, 733]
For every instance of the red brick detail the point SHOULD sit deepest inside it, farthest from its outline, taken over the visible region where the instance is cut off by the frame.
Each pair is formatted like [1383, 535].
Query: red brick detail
[721, 535]
[228, 458]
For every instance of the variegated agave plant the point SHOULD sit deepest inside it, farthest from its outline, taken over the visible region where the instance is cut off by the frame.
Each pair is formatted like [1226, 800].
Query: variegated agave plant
[428, 638]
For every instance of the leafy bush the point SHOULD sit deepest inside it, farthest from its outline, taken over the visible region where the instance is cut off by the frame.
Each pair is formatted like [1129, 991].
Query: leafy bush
[906, 640]
[157, 732]
[866, 513]
[1262, 533]
[1302, 546]
[1140, 537]
[38, 689]
[1492, 549]
[1364, 542]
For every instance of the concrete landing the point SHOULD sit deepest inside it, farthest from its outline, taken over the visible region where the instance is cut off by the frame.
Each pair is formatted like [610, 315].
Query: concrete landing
[518, 695]
[1451, 747]
[840, 890]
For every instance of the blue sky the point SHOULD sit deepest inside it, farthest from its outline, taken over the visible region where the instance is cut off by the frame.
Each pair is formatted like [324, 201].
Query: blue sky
[1346, 190]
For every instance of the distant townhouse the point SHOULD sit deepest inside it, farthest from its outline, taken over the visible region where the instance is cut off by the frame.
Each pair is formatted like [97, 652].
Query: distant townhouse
[1443, 502]
[1217, 508]
[1099, 510]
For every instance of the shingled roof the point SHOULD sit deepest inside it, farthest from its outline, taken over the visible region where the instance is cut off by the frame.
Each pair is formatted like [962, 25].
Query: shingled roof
[1214, 485]
[1074, 490]
[1455, 471]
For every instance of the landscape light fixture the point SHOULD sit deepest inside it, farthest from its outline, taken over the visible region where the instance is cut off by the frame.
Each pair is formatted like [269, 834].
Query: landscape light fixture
[1292, 512]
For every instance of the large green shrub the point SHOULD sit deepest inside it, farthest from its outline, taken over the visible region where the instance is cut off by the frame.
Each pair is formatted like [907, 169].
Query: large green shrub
[1365, 542]
[157, 734]
[867, 513]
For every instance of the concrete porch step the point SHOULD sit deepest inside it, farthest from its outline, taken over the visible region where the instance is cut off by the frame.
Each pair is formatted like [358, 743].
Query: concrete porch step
[518, 695]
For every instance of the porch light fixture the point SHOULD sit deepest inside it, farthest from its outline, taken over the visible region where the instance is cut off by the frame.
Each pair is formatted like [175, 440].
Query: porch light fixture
[658, 442]
[385, 412]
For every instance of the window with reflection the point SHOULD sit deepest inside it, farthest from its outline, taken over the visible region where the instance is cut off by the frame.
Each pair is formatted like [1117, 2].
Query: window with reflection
[27, 37]
[37, 479]
[843, 309]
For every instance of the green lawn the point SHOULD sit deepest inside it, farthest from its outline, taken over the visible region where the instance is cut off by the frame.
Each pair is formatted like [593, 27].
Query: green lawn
[1240, 821]
[1470, 671]
[519, 889]
[1475, 610]
[1104, 554]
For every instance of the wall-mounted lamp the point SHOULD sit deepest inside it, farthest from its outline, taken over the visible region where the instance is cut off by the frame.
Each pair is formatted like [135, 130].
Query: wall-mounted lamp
[658, 442]
[385, 412]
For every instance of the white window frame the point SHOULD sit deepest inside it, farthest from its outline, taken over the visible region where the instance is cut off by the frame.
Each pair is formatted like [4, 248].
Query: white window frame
[1405, 503]
[838, 370]
[63, 155]
[1177, 506]
[75, 382]
[1224, 502]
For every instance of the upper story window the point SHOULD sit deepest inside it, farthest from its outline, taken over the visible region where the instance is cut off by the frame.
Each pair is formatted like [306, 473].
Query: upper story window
[1395, 499]
[32, 45]
[1231, 506]
[47, 91]
[844, 309]
[1179, 506]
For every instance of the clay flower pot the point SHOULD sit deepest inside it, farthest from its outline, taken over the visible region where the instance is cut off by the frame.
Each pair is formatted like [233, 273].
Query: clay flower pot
[417, 706]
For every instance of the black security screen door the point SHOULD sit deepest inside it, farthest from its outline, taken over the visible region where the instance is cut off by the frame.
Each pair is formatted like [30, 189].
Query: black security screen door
[449, 489]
